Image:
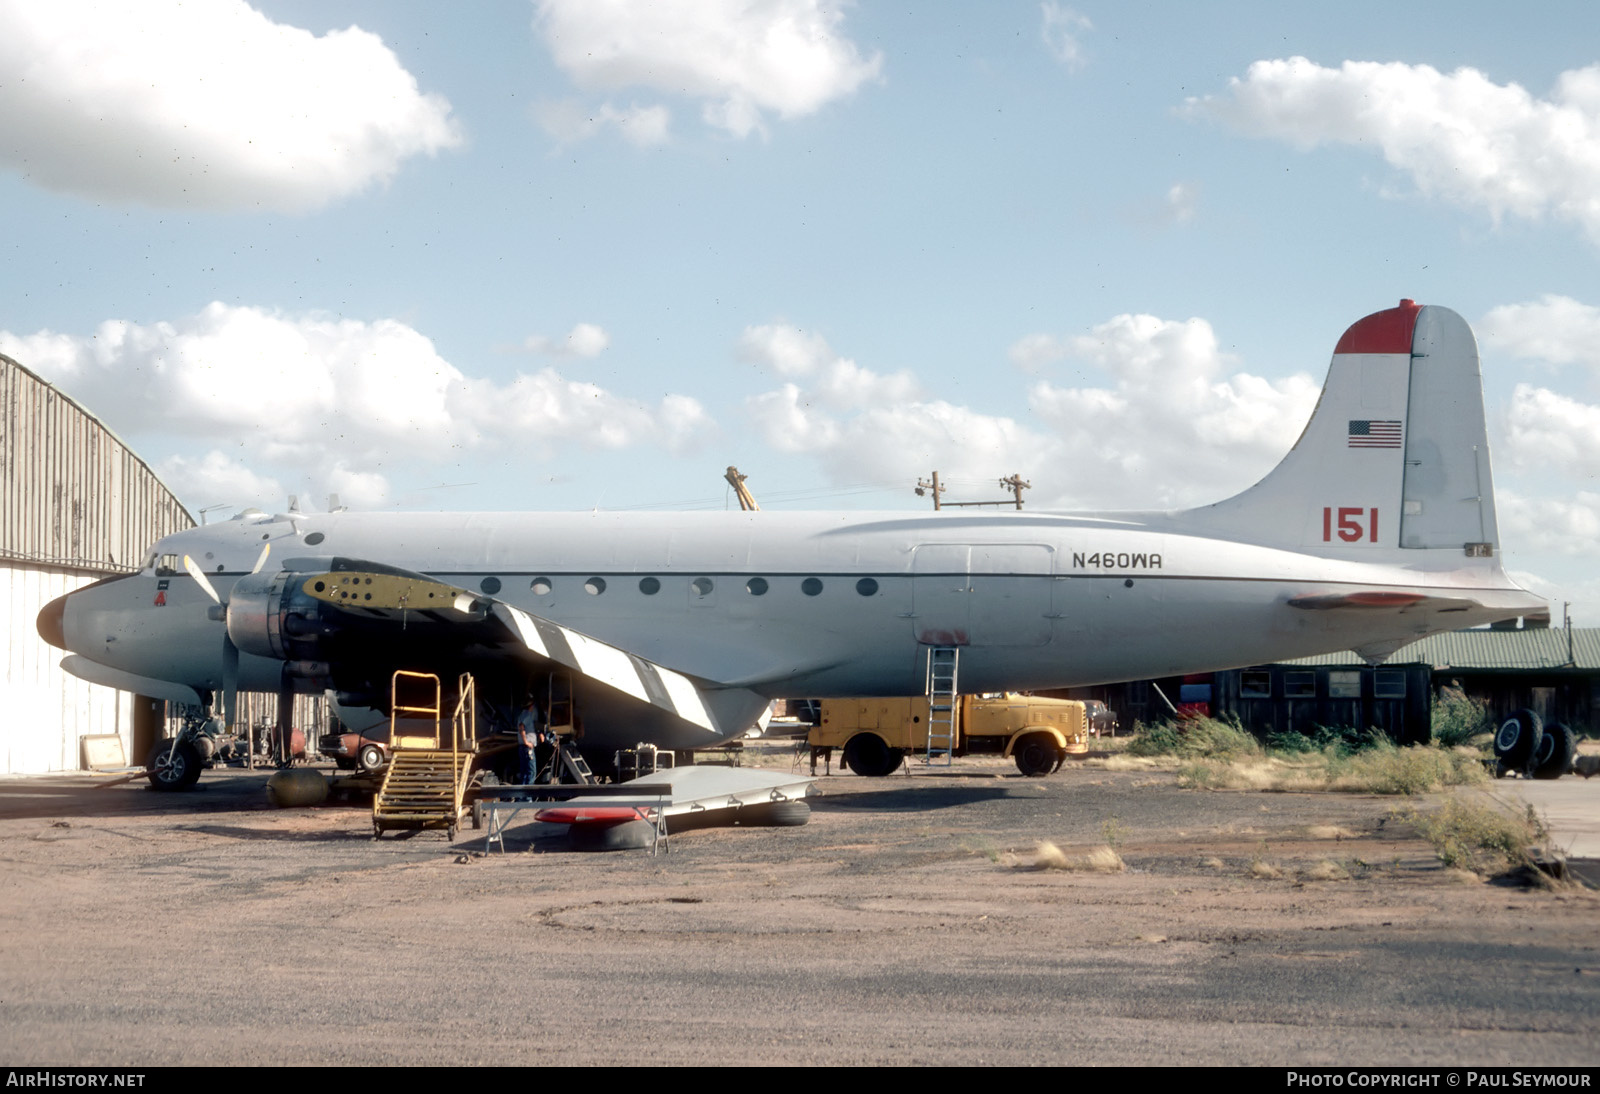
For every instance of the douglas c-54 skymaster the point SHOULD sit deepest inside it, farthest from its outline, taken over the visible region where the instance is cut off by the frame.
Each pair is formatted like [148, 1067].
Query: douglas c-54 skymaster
[1376, 529]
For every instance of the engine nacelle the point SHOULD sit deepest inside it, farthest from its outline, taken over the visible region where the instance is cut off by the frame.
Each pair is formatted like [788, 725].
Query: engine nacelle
[271, 615]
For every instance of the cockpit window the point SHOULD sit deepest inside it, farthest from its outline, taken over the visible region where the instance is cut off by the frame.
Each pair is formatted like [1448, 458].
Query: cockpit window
[166, 565]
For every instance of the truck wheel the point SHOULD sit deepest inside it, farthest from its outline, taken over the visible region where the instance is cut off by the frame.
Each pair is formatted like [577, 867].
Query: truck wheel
[1518, 737]
[1556, 749]
[1035, 755]
[870, 755]
[173, 766]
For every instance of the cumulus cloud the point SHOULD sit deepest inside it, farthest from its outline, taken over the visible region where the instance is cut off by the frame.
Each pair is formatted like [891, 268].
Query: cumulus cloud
[339, 403]
[740, 59]
[1169, 426]
[1032, 352]
[838, 382]
[583, 340]
[1182, 200]
[1547, 431]
[216, 479]
[1566, 526]
[1459, 136]
[570, 121]
[1060, 31]
[1557, 329]
[1172, 427]
[207, 105]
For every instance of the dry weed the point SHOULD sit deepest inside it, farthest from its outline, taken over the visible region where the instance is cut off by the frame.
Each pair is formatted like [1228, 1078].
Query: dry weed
[1329, 831]
[1327, 870]
[1102, 860]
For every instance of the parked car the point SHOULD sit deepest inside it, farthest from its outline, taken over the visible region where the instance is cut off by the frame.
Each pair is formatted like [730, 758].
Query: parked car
[352, 750]
[1102, 719]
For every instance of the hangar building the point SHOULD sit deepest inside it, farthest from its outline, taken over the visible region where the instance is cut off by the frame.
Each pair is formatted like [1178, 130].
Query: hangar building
[78, 506]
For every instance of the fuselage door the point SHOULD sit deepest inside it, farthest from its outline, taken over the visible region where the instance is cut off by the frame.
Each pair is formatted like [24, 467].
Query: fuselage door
[1012, 589]
[941, 594]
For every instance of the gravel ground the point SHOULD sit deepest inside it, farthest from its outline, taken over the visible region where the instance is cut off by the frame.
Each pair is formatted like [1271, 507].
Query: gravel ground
[907, 923]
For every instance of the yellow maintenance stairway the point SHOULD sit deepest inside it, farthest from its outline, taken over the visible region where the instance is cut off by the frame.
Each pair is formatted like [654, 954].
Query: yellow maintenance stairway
[425, 785]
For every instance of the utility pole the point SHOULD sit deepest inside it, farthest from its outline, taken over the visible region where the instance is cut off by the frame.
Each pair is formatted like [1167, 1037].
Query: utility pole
[1017, 487]
[1015, 483]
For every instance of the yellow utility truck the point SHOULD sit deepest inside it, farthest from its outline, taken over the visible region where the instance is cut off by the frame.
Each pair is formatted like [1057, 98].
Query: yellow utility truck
[876, 734]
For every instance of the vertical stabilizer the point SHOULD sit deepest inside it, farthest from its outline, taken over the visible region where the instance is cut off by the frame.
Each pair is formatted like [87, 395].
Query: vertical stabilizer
[1448, 497]
[1395, 454]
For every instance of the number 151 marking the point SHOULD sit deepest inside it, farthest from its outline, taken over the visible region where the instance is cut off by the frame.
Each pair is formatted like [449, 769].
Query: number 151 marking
[1350, 523]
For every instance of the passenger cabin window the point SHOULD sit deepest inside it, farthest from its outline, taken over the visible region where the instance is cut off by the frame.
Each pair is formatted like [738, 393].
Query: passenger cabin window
[756, 586]
[811, 586]
[649, 586]
[540, 586]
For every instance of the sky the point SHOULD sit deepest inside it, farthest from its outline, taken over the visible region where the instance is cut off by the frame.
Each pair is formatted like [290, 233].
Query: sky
[575, 254]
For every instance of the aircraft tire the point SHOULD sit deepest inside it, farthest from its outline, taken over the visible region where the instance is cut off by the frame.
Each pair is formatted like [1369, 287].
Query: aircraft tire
[370, 758]
[627, 836]
[1518, 737]
[784, 814]
[870, 755]
[173, 767]
[1035, 755]
[1556, 749]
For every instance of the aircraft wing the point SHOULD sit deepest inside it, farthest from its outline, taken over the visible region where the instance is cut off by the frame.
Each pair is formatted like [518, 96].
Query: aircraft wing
[356, 612]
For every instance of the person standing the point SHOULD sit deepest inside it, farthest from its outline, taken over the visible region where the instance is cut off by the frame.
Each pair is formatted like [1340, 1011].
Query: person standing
[531, 734]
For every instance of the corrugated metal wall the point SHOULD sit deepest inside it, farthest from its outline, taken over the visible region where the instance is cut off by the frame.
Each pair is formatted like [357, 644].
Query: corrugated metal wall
[75, 497]
[46, 709]
[77, 505]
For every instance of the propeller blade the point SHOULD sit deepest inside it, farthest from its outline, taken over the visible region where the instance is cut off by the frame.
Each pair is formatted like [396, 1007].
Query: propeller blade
[261, 559]
[200, 578]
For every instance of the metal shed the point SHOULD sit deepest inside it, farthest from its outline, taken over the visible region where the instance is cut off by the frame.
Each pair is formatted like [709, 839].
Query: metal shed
[78, 505]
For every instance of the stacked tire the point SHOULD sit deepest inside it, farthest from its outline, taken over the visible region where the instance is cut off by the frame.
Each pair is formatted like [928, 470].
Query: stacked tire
[1524, 743]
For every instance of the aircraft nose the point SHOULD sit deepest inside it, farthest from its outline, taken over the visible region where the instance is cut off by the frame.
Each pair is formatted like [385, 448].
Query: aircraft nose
[50, 622]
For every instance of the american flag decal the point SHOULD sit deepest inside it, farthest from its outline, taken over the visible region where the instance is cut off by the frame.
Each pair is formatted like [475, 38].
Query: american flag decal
[1371, 434]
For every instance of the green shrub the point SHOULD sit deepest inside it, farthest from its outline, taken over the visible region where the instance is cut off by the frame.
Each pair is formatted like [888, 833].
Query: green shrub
[1339, 740]
[1194, 738]
[1383, 768]
[1457, 718]
[1478, 836]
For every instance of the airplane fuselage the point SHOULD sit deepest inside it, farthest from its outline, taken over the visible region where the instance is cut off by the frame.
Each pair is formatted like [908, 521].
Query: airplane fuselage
[792, 604]
[1378, 527]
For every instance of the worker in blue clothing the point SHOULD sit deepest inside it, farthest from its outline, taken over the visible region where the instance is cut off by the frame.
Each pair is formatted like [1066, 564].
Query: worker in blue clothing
[533, 738]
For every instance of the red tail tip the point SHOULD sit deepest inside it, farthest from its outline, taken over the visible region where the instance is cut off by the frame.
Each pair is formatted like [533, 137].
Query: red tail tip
[1382, 332]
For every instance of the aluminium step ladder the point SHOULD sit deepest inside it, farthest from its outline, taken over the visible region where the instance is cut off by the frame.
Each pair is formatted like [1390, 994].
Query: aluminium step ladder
[944, 704]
